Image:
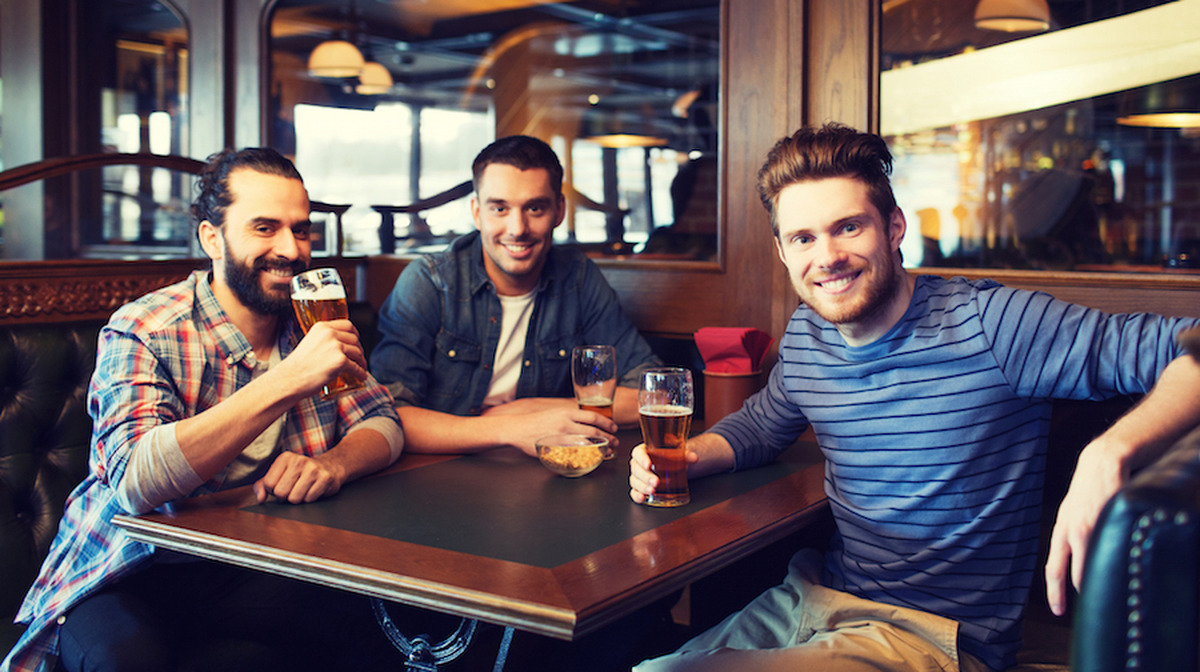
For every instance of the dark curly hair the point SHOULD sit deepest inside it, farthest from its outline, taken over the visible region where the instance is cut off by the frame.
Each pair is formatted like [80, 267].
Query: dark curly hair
[833, 150]
[212, 187]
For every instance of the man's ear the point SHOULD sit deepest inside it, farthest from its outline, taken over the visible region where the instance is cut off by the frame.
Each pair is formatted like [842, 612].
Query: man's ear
[897, 226]
[210, 240]
[779, 249]
[561, 207]
[475, 212]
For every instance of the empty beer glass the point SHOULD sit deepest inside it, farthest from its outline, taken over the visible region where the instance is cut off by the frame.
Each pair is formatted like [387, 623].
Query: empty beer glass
[318, 295]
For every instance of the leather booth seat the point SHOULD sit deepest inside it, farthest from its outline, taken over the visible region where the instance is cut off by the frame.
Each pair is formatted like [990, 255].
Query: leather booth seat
[44, 436]
[1138, 607]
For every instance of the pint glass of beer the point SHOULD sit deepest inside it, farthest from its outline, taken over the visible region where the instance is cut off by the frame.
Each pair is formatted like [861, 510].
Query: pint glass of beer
[665, 404]
[318, 295]
[594, 375]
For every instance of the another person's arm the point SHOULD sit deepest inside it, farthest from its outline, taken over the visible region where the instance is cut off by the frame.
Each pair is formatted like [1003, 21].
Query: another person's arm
[429, 431]
[1170, 410]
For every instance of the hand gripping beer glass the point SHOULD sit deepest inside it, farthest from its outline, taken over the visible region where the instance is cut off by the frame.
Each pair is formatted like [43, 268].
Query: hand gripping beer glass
[594, 376]
[318, 295]
[665, 404]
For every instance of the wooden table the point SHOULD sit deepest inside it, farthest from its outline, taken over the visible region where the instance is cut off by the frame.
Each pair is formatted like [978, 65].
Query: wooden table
[497, 537]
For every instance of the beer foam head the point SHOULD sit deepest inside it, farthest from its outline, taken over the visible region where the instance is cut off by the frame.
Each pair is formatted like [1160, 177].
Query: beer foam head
[310, 292]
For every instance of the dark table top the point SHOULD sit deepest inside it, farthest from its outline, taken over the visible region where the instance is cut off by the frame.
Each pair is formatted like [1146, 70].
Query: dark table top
[496, 536]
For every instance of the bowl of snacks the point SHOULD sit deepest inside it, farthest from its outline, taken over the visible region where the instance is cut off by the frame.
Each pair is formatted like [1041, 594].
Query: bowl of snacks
[571, 455]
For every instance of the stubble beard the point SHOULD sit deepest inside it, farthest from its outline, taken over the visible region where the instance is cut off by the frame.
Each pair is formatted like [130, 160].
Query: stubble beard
[878, 295]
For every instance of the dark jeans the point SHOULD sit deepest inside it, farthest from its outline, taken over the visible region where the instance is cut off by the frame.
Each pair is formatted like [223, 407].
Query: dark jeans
[211, 616]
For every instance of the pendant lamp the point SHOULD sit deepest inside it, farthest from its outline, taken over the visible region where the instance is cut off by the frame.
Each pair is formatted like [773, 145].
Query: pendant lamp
[1170, 104]
[335, 59]
[374, 80]
[1012, 16]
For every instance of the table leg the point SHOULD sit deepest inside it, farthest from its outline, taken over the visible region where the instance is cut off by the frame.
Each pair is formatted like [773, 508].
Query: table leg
[423, 656]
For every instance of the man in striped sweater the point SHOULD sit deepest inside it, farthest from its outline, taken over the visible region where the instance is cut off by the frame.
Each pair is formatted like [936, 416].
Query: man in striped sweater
[930, 398]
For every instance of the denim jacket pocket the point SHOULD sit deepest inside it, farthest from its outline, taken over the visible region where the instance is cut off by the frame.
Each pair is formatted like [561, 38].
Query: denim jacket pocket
[455, 361]
[555, 356]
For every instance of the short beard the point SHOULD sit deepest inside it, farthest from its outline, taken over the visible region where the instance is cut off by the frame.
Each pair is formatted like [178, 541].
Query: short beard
[243, 281]
[878, 297]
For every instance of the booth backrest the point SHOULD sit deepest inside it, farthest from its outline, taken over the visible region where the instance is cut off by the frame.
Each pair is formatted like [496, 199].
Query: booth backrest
[44, 436]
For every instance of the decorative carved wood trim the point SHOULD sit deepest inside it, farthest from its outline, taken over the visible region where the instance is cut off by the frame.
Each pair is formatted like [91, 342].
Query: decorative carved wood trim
[35, 292]
[40, 292]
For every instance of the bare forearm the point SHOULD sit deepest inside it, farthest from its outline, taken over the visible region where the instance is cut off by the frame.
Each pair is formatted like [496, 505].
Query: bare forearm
[359, 453]
[715, 453]
[625, 407]
[429, 431]
[212, 439]
[1170, 410]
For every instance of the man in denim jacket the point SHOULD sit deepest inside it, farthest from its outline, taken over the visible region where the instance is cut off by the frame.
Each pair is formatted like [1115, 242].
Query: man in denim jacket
[476, 340]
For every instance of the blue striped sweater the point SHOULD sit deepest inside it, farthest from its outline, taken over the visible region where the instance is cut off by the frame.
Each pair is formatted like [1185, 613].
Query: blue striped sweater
[935, 439]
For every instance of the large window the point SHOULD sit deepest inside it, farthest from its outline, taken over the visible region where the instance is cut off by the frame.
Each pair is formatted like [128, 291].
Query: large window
[1023, 149]
[624, 92]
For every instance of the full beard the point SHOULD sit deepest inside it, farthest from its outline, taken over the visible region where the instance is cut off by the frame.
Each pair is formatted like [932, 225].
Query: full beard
[245, 282]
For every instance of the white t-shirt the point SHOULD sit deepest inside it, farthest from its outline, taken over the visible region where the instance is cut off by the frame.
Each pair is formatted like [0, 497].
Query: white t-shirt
[510, 350]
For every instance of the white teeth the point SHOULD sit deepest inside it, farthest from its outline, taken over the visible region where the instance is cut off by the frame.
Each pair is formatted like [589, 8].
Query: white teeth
[834, 285]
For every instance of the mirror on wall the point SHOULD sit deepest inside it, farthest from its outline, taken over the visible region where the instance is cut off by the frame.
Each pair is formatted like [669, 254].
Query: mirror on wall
[383, 104]
[1019, 139]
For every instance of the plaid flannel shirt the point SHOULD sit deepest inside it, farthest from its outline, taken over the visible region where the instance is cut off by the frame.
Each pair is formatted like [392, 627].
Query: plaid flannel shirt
[167, 356]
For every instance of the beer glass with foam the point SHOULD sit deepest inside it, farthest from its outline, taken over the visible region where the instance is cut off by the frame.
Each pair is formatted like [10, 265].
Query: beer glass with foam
[318, 294]
[594, 376]
[665, 405]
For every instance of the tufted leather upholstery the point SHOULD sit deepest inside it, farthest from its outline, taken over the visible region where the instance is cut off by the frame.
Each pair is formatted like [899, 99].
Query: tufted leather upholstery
[45, 433]
[1138, 608]
[44, 436]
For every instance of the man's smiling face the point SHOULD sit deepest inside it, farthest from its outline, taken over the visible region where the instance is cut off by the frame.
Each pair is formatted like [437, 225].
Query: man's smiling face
[515, 211]
[841, 253]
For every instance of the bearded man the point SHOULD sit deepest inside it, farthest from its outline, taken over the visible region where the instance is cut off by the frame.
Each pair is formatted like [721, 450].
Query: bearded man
[201, 386]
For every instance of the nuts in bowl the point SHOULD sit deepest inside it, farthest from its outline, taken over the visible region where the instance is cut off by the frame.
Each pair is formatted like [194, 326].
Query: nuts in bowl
[571, 455]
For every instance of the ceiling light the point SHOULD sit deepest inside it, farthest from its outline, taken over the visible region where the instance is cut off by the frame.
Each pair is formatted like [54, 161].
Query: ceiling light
[1012, 16]
[623, 140]
[1172, 104]
[374, 80]
[336, 59]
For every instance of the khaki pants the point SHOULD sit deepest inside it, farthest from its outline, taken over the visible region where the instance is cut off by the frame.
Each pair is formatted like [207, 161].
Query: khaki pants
[800, 625]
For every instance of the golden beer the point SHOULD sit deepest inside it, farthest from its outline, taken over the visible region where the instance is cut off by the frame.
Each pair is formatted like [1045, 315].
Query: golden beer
[311, 311]
[597, 405]
[317, 296]
[665, 430]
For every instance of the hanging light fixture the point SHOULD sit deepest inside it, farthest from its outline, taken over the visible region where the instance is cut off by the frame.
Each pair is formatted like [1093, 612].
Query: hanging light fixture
[374, 80]
[335, 59]
[1012, 16]
[1171, 104]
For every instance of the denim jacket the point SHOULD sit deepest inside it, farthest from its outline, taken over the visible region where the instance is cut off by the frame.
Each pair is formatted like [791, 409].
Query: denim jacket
[440, 327]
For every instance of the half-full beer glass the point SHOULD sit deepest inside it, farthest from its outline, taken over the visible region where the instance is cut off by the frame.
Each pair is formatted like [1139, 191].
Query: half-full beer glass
[318, 295]
[594, 376]
[665, 404]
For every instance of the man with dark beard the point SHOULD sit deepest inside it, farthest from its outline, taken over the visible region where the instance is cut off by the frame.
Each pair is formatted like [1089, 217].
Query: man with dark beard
[205, 385]
[930, 400]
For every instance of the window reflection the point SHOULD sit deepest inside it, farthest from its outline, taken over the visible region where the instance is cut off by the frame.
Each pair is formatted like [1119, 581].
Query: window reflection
[624, 91]
[141, 86]
[1009, 149]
